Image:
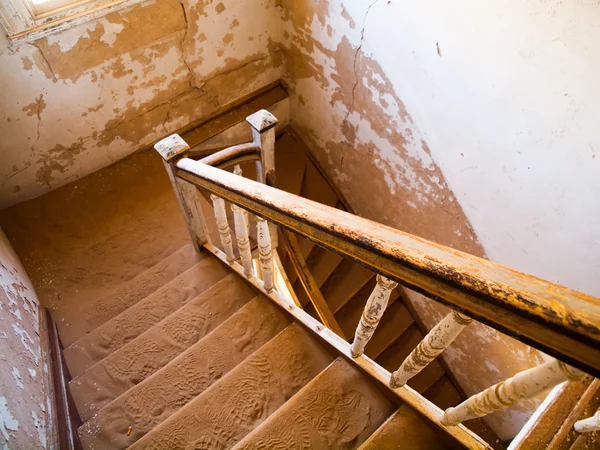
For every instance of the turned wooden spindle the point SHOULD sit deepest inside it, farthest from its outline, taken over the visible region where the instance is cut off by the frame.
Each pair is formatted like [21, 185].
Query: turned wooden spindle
[588, 425]
[524, 385]
[372, 314]
[265, 253]
[223, 227]
[436, 341]
[243, 239]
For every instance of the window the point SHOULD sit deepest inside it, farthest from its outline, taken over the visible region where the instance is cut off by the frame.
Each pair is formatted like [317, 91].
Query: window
[26, 20]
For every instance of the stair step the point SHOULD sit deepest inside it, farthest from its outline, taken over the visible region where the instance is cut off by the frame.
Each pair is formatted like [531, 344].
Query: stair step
[245, 397]
[132, 322]
[315, 187]
[395, 321]
[88, 316]
[321, 264]
[345, 282]
[290, 161]
[152, 401]
[153, 349]
[338, 409]
[405, 429]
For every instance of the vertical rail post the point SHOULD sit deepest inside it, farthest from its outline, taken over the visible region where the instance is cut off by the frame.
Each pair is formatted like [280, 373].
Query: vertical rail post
[263, 125]
[237, 170]
[265, 252]
[243, 239]
[589, 424]
[524, 385]
[436, 341]
[171, 149]
[374, 309]
[223, 227]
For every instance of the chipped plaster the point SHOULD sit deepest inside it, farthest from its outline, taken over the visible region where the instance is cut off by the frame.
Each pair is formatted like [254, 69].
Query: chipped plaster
[90, 95]
[23, 417]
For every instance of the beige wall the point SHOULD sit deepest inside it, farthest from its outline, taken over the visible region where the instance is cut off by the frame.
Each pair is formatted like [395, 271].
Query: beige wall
[473, 127]
[86, 97]
[24, 394]
[356, 122]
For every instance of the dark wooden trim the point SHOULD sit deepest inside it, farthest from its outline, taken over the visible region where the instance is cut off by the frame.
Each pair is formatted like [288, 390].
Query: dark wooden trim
[552, 318]
[67, 417]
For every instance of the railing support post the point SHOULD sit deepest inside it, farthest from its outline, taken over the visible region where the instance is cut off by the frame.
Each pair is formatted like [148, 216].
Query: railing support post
[589, 424]
[223, 226]
[436, 341]
[171, 149]
[263, 125]
[524, 385]
[374, 309]
[265, 252]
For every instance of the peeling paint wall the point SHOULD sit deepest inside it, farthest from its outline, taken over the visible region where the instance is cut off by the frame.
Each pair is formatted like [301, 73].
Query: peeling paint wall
[24, 396]
[345, 64]
[86, 97]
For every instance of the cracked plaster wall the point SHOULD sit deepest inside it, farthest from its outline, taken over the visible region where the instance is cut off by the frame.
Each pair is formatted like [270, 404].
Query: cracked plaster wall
[86, 97]
[24, 394]
[466, 125]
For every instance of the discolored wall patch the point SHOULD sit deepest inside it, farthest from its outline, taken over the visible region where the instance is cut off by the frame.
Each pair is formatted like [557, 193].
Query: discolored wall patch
[90, 95]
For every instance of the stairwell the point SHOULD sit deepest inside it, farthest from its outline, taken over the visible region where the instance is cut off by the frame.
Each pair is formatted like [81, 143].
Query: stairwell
[169, 348]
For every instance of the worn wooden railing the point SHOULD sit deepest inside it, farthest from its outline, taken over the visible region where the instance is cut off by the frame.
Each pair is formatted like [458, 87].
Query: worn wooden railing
[552, 318]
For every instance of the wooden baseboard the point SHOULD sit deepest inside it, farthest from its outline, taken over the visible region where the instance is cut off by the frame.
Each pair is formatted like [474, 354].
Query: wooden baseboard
[66, 419]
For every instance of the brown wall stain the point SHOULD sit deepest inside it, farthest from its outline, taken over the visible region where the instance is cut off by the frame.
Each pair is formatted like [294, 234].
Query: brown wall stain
[103, 89]
[362, 134]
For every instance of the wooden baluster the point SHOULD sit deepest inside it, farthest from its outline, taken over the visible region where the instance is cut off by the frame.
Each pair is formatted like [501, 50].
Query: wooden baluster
[238, 171]
[263, 125]
[589, 424]
[524, 385]
[243, 239]
[372, 313]
[171, 149]
[223, 227]
[265, 252]
[436, 341]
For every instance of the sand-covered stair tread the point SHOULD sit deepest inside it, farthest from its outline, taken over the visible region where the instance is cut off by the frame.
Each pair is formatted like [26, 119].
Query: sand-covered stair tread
[149, 403]
[153, 349]
[405, 429]
[339, 409]
[245, 397]
[132, 322]
[85, 316]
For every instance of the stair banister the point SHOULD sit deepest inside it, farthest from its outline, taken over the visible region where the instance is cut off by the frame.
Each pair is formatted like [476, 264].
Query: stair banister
[552, 318]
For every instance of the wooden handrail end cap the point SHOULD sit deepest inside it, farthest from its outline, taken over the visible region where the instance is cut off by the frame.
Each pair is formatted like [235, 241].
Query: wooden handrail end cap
[171, 147]
[262, 120]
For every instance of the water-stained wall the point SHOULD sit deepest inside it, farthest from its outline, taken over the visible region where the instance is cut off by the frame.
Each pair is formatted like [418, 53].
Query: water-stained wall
[25, 405]
[354, 117]
[86, 97]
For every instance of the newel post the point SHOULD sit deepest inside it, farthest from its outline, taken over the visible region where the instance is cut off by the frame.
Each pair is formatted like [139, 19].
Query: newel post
[171, 149]
[263, 125]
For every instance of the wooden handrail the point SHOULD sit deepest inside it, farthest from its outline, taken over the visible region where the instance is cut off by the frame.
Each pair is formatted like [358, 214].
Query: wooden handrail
[233, 155]
[552, 318]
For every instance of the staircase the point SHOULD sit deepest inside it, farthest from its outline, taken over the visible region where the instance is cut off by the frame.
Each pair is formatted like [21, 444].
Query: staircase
[188, 353]
[206, 361]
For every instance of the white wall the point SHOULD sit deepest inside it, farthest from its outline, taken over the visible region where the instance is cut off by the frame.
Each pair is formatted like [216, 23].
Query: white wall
[511, 114]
